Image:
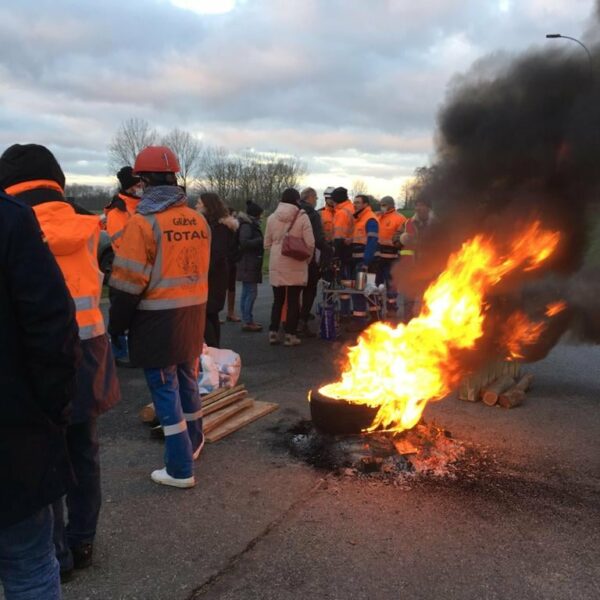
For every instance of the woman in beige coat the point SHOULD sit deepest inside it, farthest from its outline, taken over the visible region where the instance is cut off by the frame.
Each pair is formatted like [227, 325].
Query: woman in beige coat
[287, 275]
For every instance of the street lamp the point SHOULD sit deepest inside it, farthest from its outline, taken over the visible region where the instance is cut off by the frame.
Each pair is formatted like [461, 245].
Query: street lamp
[552, 36]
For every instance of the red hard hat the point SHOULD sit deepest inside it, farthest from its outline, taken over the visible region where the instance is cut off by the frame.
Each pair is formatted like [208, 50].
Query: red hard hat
[156, 159]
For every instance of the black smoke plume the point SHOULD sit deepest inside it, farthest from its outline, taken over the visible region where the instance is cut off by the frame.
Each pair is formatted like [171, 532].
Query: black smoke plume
[519, 139]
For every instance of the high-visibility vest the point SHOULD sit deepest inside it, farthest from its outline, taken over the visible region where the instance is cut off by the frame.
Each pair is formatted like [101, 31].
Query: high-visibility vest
[73, 240]
[116, 218]
[164, 258]
[360, 236]
[327, 215]
[390, 223]
[343, 221]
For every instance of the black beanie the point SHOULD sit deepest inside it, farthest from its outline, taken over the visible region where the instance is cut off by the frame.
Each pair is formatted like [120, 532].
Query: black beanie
[290, 196]
[253, 209]
[126, 178]
[340, 194]
[27, 162]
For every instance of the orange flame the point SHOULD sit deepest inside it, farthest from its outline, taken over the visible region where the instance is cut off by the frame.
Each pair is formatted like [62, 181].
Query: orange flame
[399, 369]
[520, 332]
[555, 308]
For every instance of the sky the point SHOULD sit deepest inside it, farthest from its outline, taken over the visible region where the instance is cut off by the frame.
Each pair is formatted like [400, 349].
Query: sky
[352, 87]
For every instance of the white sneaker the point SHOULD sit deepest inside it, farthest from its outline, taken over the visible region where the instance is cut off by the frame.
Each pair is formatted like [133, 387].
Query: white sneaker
[161, 476]
[274, 338]
[291, 340]
[198, 450]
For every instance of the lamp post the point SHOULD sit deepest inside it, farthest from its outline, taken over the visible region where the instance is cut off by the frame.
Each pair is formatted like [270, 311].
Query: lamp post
[552, 36]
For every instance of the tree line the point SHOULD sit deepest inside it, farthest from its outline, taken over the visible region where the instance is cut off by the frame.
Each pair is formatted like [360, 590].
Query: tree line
[236, 177]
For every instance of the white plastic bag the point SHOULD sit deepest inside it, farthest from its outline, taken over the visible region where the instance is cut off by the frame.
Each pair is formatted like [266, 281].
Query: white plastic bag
[220, 369]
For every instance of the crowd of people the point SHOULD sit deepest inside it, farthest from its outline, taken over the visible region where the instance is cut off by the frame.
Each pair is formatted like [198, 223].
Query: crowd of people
[173, 274]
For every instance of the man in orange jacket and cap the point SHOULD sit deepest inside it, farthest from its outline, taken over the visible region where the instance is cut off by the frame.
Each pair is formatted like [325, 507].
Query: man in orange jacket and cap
[118, 212]
[31, 173]
[160, 283]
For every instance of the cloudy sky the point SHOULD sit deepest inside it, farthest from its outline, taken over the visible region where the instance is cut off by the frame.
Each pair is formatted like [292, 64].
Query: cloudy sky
[350, 86]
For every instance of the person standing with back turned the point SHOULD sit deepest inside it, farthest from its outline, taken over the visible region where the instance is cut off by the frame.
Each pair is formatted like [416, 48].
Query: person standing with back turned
[39, 350]
[160, 282]
[31, 173]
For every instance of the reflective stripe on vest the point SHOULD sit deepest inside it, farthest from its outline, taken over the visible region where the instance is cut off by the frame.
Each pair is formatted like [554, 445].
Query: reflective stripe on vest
[390, 224]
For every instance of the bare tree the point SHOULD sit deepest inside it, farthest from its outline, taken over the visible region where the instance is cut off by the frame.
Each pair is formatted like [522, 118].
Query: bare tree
[359, 186]
[251, 176]
[132, 136]
[189, 151]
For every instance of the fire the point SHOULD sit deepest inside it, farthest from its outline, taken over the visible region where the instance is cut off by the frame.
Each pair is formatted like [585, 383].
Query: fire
[399, 369]
[520, 332]
[555, 308]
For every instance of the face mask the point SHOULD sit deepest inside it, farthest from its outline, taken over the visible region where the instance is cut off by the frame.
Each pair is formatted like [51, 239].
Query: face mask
[138, 190]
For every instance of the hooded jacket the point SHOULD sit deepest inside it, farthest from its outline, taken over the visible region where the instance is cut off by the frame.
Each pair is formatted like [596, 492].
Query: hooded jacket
[73, 240]
[283, 270]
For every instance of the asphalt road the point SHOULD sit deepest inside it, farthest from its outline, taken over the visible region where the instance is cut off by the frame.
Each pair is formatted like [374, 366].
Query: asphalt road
[261, 525]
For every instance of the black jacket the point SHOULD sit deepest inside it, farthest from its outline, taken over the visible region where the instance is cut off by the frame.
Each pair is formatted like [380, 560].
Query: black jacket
[222, 244]
[39, 352]
[249, 267]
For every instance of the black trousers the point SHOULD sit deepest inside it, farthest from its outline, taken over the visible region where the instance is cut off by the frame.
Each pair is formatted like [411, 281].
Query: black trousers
[292, 292]
[212, 330]
[310, 291]
[83, 500]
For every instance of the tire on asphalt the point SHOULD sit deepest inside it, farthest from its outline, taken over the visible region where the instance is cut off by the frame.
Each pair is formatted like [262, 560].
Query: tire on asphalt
[339, 417]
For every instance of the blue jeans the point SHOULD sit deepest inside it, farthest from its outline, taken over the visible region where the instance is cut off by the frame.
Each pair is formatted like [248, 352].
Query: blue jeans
[178, 407]
[28, 567]
[249, 293]
[84, 498]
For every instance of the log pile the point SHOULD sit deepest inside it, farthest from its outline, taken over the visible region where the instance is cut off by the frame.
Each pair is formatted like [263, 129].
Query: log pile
[224, 411]
[500, 384]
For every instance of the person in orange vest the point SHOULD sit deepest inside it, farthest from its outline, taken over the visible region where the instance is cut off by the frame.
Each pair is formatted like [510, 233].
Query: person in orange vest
[327, 214]
[391, 224]
[31, 173]
[343, 230]
[364, 253]
[160, 283]
[411, 238]
[118, 212]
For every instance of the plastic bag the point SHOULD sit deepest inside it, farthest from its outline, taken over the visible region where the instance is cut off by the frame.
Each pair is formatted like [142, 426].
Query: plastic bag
[221, 368]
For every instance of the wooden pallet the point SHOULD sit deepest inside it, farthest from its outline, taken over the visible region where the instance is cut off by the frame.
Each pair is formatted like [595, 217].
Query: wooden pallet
[256, 411]
[225, 411]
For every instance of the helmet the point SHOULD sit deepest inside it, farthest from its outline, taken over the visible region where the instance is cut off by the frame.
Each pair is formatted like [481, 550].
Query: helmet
[156, 159]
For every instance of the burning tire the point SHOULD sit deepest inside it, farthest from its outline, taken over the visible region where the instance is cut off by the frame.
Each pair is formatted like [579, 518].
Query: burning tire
[339, 417]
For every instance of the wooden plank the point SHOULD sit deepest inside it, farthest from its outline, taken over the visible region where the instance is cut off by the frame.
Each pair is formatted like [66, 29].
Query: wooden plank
[219, 417]
[218, 394]
[223, 402]
[258, 410]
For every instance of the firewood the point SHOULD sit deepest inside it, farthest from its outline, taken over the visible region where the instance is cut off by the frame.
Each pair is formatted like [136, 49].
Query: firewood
[148, 414]
[492, 392]
[525, 382]
[511, 398]
[515, 395]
